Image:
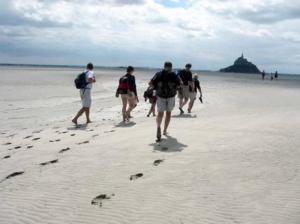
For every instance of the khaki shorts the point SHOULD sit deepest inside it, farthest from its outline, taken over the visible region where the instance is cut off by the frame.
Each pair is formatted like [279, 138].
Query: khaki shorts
[130, 96]
[193, 95]
[184, 92]
[165, 104]
[86, 98]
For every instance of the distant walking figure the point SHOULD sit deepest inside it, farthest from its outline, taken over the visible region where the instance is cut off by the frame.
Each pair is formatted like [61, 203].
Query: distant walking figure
[263, 75]
[196, 87]
[84, 82]
[128, 92]
[186, 88]
[165, 83]
[150, 94]
[276, 75]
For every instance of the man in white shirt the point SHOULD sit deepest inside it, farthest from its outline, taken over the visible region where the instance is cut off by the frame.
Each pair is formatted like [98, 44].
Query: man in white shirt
[85, 95]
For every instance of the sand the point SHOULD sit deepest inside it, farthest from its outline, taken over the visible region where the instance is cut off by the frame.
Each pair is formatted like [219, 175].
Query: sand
[235, 159]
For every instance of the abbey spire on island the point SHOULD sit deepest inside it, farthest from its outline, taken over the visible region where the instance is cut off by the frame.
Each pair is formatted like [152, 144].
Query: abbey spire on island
[242, 65]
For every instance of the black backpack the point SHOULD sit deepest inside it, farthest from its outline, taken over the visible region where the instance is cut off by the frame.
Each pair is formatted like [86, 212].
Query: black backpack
[80, 81]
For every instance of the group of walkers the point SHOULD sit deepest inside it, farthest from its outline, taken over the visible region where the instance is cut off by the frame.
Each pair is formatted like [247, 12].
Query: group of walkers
[161, 93]
[272, 77]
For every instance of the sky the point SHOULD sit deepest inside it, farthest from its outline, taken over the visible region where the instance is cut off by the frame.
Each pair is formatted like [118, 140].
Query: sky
[210, 34]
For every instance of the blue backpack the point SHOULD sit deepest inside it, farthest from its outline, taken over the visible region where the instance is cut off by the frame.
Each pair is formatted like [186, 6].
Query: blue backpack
[80, 81]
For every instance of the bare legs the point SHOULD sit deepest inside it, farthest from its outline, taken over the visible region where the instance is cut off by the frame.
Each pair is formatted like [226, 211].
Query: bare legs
[132, 104]
[182, 102]
[159, 119]
[191, 104]
[85, 110]
[152, 110]
[124, 102]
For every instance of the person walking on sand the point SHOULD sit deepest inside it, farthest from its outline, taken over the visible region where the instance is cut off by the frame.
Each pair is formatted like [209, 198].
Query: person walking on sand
[197, 87]
[165, 84]
[186, 88]
[128, 92]
[150, 94]
[276, 75]
[263, 75]
[85, 94]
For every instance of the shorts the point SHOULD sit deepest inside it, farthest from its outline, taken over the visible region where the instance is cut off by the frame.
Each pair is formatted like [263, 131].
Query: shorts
[193, 95]
[184, 92]
[165, 104]
[86, 98]
[130, 96]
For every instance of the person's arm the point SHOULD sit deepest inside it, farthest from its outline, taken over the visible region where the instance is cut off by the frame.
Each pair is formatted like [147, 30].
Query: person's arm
[178, 80]
[153, 81]
[134, 88]
[199, 88]
[190, 80]
[91, 77]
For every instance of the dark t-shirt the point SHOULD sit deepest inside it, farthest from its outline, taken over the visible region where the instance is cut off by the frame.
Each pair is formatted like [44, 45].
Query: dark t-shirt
[131, 82]
[197, 85]
[165, 83]
[186, 76]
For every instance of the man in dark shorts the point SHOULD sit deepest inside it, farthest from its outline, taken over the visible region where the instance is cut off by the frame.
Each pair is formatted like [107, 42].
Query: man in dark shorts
[186, 88]
[165, 83]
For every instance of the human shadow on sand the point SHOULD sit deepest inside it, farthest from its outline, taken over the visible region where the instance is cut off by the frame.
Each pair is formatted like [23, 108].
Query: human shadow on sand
[125, 124]
[185, 116]
[168, 144]
[81, 127]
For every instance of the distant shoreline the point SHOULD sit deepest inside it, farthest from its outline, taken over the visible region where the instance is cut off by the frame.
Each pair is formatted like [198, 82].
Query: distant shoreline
[102, 67]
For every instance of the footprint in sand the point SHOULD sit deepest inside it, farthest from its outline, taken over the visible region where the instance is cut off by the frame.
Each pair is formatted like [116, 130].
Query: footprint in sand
[100, 198]
[85, 142]
[136, 176]
[158, 161]
[29, 136]
[7, 143]
[17, 147]
[64, 150]
[6, 157]
[35, 139]
[64, 132]
[72, 135]
[49, 162]
[56, 140]
[12, 175]
[29, 146]
[110, 131]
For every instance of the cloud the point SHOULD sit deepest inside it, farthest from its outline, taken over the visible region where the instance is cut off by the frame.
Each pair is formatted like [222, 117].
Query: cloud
[208, 33]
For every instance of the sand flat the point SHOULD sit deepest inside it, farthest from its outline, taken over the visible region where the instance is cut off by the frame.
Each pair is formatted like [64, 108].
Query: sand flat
[235, 159]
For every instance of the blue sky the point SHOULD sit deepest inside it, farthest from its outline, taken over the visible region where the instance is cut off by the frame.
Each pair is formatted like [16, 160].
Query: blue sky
[210, 34]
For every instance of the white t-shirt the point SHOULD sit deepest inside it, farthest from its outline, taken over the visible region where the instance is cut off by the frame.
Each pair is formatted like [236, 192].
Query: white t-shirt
[89, 75]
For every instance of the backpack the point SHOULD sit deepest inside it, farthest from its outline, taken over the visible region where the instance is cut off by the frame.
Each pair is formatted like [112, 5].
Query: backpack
[166, 86]
[80, 81]
[148, 94]
[123, 87]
